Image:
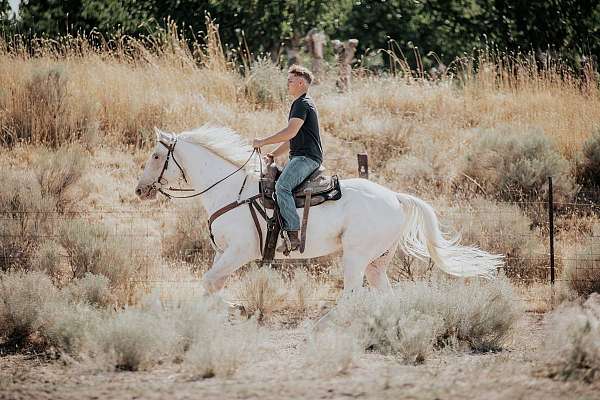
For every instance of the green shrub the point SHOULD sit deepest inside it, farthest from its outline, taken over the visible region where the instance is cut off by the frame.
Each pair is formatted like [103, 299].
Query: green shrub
[516, 165]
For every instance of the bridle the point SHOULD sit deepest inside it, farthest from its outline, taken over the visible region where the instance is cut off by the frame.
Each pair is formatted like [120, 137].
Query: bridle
[251, 201]
[171, 154]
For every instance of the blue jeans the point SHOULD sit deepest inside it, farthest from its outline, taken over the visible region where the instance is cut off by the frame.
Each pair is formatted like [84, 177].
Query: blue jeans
[295, 172]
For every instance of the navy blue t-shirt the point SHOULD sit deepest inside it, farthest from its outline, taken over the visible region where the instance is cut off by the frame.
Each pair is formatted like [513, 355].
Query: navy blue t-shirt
[307, 141]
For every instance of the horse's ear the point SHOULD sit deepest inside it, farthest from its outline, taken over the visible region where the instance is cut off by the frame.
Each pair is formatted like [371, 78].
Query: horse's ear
[158, 134]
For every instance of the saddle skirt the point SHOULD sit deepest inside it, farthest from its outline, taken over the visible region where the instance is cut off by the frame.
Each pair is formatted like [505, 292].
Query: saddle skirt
[321, 186]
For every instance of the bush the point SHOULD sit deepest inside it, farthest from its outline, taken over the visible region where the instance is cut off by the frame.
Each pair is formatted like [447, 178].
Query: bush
[266, 83]
[195, 332]
[73, 327]
[418, 317]
[219, 350]
[588, 171]
[502, 229]
[43, 111]
[48, 259]
[582, 270]
[91, 248]
[572, 345]
[516, 165]
[22, 297]
[57, 172]
[24, 214]
[92, 290]
[261, 291]
[190, 240]
[135, 339]
[331, 352]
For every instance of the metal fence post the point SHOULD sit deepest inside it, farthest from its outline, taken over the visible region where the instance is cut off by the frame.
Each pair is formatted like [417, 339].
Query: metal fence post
[551, 228]
[363, 165]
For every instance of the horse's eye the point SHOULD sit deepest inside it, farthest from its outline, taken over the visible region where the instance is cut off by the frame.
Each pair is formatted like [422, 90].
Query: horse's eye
[156, 157]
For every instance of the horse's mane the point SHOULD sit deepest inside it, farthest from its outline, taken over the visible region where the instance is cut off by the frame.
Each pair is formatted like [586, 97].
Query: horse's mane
[224, 142]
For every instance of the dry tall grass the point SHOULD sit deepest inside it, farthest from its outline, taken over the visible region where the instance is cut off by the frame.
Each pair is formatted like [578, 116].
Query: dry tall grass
[582, 271]
[419, 136]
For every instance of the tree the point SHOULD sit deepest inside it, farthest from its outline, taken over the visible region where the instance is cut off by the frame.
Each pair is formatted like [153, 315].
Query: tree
[57, 17]
[5, 10]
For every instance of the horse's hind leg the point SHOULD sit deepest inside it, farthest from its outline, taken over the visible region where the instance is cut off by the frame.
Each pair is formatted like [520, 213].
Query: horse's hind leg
[376, 271]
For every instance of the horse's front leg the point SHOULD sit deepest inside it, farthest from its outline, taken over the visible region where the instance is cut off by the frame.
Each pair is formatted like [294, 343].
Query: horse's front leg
[224, 265]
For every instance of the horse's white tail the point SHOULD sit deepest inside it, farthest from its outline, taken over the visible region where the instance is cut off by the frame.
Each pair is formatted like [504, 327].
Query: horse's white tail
[421, 237]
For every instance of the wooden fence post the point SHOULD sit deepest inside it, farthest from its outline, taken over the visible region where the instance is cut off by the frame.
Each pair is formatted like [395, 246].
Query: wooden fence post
[363, 165]
[551, 228]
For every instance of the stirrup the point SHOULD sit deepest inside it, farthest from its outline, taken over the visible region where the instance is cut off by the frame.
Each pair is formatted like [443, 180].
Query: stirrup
[286, 246]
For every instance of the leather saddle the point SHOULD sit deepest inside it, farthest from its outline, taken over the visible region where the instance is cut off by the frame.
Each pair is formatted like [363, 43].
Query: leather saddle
[321, 187]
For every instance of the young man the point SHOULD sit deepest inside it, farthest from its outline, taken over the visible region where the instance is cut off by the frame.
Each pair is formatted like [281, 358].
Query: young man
[302, 138]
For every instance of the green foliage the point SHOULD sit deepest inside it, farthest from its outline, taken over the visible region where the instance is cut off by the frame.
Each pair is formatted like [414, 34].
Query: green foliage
[54, 17]
[516, 165]
[4, 9]
[449, 28]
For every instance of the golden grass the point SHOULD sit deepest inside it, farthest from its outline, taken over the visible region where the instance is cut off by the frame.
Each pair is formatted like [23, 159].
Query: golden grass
[417, 133]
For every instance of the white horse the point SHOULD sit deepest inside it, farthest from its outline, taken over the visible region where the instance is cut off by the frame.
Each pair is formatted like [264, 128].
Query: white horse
[367, 224]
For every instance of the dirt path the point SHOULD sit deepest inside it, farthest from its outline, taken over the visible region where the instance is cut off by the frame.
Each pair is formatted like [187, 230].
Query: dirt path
[283, 372]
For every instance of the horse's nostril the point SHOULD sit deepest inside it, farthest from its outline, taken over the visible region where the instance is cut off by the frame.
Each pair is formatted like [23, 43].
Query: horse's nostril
[138, 191]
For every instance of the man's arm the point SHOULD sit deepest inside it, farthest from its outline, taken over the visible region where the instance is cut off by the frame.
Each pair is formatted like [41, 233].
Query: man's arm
[284, 135]
[281, 149]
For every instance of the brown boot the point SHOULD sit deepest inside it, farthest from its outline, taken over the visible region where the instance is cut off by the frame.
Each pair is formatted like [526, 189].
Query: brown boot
[293, 245]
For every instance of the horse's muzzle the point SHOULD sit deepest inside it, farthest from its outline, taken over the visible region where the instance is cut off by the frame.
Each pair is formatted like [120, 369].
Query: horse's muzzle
[145, 192]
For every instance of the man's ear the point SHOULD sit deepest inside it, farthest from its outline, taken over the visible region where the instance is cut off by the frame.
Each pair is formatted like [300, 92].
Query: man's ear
[158, 134]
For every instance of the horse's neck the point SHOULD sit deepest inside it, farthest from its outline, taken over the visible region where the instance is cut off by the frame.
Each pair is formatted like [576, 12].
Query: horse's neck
[204, 168]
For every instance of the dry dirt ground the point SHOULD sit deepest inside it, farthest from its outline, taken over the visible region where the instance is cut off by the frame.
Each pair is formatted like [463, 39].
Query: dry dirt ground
[281, 371]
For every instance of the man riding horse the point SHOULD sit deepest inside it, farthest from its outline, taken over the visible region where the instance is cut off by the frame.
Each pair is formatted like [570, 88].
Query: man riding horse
[302, 138]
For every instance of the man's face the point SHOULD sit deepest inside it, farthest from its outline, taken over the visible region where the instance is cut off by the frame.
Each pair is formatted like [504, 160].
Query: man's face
[295, 84]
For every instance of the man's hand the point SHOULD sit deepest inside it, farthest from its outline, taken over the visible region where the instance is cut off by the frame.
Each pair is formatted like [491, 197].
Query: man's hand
[257, 143]
[269, 158]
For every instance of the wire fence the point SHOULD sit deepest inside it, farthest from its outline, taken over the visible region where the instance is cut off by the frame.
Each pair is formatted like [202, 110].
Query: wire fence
[541, 240]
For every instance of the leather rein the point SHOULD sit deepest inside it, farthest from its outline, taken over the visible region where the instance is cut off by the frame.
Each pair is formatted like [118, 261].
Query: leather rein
[252, 201]
[171, 154]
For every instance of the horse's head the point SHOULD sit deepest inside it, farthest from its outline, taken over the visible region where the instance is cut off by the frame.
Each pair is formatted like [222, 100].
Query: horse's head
[160, 168]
